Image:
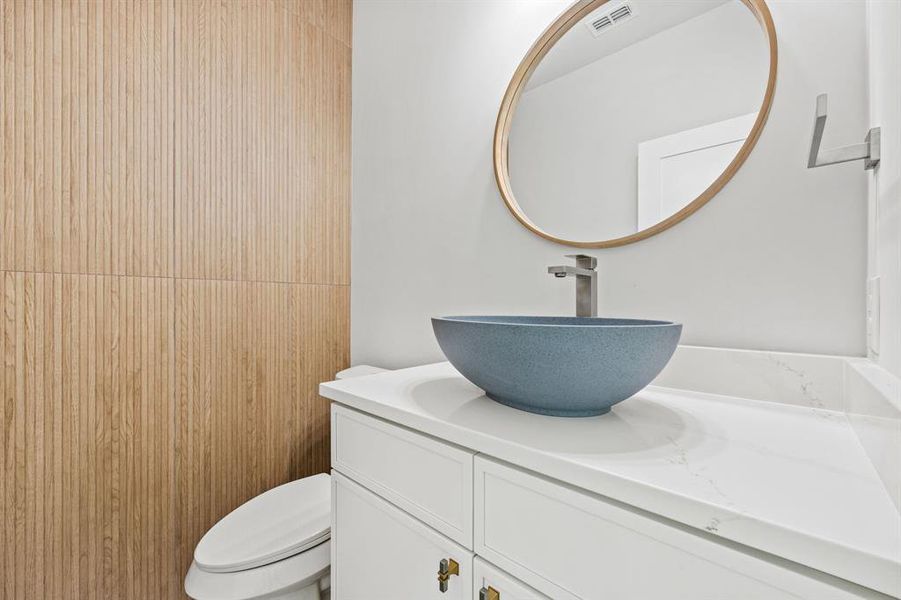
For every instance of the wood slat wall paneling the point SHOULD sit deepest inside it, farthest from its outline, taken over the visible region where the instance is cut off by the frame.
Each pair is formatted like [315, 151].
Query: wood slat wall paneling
[86, 136]
[88, 437]
[263, 156]
[149, 143]
[334, 17]
[174, 270]
[16, 378]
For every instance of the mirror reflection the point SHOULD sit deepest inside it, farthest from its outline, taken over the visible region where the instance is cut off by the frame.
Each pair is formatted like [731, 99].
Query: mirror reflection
[633, 113]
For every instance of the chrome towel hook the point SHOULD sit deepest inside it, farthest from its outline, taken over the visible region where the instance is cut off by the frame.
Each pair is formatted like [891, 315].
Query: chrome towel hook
[868, 151]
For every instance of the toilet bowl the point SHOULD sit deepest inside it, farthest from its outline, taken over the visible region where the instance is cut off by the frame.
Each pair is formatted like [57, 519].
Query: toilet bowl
[274, 546]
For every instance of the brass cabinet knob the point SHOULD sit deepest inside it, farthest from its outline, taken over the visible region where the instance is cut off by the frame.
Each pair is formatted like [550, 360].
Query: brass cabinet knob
[489, 593]
[446, 568]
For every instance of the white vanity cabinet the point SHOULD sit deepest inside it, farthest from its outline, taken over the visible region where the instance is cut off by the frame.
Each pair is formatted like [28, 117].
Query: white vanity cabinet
[381, 553]
[403, 502]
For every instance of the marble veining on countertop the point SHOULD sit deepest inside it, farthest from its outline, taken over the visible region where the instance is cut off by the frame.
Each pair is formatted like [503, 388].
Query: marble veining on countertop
[788, 480]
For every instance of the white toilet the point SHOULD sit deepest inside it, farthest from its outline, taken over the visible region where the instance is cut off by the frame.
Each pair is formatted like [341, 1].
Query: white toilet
[274, 546]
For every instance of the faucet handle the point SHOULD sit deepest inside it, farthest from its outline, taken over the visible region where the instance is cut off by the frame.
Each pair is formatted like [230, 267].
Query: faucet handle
[584, 261]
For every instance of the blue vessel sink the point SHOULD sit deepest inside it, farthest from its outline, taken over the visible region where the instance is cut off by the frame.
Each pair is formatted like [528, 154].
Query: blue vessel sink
[561, 366]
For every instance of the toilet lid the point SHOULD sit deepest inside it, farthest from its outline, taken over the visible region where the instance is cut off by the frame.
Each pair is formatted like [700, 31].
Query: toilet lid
[275, 525]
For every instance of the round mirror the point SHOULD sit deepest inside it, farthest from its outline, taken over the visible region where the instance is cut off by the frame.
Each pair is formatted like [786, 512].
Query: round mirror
[626, 116]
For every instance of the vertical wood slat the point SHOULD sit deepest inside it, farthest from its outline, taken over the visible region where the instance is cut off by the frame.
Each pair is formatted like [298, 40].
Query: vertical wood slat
[333, 17]
[73, 347]
[125, 393]
[279, 178]
[72, 71]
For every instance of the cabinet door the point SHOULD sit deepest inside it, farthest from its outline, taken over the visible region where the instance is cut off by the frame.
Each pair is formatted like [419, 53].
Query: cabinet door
[382, 553]
[488, 577]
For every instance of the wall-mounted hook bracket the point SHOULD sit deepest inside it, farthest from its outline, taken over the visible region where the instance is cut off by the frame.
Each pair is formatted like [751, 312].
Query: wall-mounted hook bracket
[868, 151]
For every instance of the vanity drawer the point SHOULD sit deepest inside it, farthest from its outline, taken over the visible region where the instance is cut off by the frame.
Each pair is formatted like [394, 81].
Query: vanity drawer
[573, 545]
[428, 479]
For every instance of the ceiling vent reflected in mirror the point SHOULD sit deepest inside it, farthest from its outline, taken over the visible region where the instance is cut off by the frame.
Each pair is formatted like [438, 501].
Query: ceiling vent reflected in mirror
[615, 15]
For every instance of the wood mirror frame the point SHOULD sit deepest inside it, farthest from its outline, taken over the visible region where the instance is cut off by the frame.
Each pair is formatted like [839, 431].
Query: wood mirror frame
[573, 15]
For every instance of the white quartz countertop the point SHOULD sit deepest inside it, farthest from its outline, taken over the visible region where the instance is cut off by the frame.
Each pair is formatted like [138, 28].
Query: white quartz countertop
[791, 481]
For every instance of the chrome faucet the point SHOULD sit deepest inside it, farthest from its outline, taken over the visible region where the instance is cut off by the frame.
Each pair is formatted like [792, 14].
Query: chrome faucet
[586, 282]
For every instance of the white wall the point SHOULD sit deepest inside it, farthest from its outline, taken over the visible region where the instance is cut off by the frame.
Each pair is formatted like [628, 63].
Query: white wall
[884, 28]
[776, 261]
[574, 140]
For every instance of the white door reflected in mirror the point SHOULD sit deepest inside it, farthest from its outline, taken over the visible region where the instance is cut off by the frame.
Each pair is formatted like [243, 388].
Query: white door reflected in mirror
[633, 114]
[675, 169]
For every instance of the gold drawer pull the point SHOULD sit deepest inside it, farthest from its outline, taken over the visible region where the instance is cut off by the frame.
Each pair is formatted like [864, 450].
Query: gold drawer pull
[446, 568]
[489, 593]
